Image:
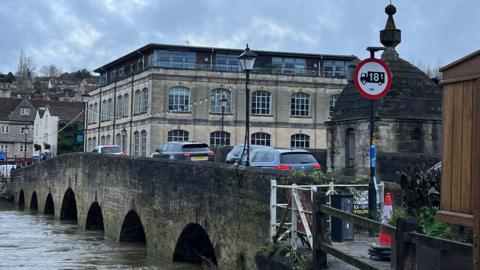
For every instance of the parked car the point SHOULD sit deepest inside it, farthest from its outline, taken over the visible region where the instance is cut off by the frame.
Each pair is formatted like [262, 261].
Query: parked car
[234, 155]
[194, 151]
[108, 149]
[284, 160]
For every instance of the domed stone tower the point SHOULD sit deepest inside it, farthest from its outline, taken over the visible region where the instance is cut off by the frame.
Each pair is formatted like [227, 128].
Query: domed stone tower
[408, 119]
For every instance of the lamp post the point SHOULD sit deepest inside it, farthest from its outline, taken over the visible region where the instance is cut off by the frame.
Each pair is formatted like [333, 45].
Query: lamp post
[25, 133]
[223, 103]
[124, 134]
[85, 98]
[247, 60]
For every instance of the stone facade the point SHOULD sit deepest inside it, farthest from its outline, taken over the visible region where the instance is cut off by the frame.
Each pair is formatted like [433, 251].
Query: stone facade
[200, 120]
[232, 208]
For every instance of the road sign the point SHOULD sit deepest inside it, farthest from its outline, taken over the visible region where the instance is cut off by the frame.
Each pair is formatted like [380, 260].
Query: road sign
[372, 78]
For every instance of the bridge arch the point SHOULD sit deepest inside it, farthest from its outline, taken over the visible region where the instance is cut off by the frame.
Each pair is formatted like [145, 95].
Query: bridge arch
[21, 200]
[94, 218]
[69, 206]
[49, 208]
[132, 228]
[194, 246]
[34, 202]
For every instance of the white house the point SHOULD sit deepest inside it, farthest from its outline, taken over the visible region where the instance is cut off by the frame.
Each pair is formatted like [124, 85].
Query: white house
[45, 127]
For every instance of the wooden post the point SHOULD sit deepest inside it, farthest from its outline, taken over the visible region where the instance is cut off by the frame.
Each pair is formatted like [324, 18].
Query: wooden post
[476, 176]
[320, 229]
[404, 256]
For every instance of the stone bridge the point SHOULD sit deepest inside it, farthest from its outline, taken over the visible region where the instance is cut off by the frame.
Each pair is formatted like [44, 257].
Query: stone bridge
[178, 209]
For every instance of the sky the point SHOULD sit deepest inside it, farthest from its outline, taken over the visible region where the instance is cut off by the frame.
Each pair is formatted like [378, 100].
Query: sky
[75, 34]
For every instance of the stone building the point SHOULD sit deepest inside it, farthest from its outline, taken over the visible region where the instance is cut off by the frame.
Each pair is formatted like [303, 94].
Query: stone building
[408, 120]
[161, 93]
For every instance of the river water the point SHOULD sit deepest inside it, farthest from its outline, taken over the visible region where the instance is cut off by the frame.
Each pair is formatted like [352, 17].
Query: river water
[34, 241]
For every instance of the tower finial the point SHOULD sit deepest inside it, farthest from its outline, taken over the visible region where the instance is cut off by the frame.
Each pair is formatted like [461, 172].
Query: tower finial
[390, 37]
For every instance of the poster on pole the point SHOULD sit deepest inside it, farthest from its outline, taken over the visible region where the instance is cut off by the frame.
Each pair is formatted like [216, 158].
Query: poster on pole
[372, 78]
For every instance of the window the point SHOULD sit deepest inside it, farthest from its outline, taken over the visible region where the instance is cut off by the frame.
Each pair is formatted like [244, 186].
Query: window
[179, 99]
[137, 101]
[217, 94]
[103, 111]
[216, 138]
[124, 143]
[333, 103]
[4, 148]
[23, 148]
[350, 148]
[143, 143]
[178, 135]
[125, 105]
[334, 68]
[23, 130]
[102, 140]
[119, 113]
[260, 138]
[118, 140]
[227, 62]
[289, 65]
[300, 141]
[261, 103]
[91, 114]
[95, 114]
[107, 139]
[173, 59]
[94, 142]
[109, 109]
[24, 111]
[300, 104]
[4, 129]
[89, 144]
[145, 100]
[136, 144]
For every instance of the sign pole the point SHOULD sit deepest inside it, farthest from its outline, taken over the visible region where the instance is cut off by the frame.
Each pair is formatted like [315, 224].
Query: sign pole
[372, 189]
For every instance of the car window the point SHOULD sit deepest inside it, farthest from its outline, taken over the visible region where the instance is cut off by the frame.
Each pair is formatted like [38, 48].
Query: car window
[237, 151]
[111, 150]
[172, 147]
[259, 156]
[270, 157]
[165, 147]
[297, 158]
[198, 147]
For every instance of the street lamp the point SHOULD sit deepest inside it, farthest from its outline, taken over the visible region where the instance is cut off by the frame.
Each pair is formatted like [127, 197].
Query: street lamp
[25, 133]
[124, 135]
[247, 60]
[223, 103]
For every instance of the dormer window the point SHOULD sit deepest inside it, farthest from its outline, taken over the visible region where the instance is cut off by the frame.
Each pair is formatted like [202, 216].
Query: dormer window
[24, 111]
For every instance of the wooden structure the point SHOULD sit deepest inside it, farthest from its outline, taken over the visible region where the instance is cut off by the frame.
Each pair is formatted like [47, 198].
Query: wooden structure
[460, 195]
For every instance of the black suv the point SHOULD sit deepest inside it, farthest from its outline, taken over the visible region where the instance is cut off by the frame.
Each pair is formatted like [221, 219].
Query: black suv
[194, 151]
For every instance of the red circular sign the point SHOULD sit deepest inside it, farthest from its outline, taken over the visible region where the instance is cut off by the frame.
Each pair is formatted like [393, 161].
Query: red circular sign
[373, 78]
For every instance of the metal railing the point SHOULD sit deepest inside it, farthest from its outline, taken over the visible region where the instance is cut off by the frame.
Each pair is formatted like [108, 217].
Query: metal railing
[300, 205]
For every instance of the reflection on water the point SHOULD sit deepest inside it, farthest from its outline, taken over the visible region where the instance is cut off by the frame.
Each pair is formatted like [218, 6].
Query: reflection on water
[34, 241]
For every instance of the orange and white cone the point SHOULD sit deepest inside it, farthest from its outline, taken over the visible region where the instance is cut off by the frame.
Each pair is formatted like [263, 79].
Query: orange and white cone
[385, 239]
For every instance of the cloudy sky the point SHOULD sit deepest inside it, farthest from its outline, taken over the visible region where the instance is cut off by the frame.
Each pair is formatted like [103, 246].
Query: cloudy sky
[89, 33]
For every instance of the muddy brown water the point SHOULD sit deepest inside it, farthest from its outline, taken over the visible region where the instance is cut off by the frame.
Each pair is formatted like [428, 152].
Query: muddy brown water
[35, 241]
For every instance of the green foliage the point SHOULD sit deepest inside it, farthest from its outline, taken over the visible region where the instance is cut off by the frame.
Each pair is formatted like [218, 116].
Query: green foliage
[37, 147]
[67, 139]
[270, 248]
[316, 178]
[429, 225]
[397, 213]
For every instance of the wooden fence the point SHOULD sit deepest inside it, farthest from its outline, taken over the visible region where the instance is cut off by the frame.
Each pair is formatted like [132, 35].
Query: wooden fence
[404, 237]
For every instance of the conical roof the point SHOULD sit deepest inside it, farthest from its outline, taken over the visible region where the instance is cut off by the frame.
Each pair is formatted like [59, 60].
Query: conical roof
[413, 95]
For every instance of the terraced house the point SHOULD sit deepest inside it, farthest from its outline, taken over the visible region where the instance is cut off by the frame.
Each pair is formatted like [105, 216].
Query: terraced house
[162, 93]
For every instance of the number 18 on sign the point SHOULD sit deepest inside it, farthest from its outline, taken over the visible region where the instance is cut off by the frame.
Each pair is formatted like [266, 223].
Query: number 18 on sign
[372, 78]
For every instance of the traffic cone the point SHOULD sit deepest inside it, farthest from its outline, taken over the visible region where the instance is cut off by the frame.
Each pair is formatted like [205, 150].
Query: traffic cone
[385, 239]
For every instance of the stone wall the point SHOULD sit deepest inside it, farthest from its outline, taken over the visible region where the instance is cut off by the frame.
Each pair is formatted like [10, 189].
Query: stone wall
[232, 207]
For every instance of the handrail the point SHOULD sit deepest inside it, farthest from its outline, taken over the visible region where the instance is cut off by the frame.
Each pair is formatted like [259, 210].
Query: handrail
[365, 222]
[439, 243]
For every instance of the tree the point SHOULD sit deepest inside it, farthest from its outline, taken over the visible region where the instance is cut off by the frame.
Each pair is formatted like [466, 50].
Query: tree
[25, 72]
[50, 71]
[10, 77]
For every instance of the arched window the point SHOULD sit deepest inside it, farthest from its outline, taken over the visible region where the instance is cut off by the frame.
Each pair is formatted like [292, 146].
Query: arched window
[261, 103]
[300, 141]
[108, 139]
[145, 100]
[217, 95]
[125, 105]
[260, 138]
[179, 99]
[102, 140]
[350, 148]
[136, 144]
[178, 135]
[91, 114]
[137, 100]
[89, 145]
[216, 138]
[119, 113]
[300, 105]
[95, 114]
[143, 143]
[124, 143]
[94, 142]
[118, 140]
[109, 109]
